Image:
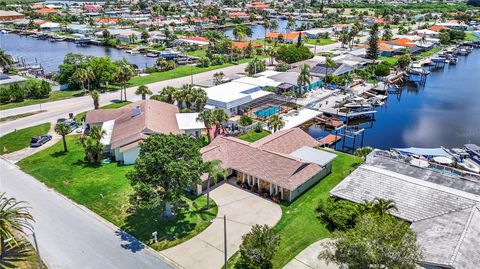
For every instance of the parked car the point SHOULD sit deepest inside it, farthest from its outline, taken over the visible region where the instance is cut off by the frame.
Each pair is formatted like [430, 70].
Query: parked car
[72, 125]
[37, 141]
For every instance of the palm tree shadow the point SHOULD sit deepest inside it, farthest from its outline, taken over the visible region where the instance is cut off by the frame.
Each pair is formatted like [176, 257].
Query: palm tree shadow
[132, 243]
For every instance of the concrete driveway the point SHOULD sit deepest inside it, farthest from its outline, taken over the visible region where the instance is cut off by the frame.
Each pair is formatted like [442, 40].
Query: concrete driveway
[243, 210]
[308, 258]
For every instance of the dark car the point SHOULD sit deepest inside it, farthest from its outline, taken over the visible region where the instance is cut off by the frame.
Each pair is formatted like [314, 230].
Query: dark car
[71, 124]
[37, 141]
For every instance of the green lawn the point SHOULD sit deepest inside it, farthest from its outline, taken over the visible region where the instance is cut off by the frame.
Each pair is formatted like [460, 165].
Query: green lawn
[299, 226]
[390, 60]
[470, 36]
[321, 42]
[198, 53]
[105, 190]
[20, 139]
[252, 136]
[180, 71]
[54, 96]
[428, 53]
[19, 116]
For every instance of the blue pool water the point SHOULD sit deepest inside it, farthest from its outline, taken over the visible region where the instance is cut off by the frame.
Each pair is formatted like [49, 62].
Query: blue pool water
[267, 112]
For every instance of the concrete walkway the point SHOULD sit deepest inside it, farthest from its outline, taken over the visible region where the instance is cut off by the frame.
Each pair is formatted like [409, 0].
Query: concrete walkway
[243, 210]
[308, 258]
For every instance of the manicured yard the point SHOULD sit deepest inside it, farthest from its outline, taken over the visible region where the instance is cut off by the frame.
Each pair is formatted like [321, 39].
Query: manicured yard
[197, 53]
[54, 96]
[299, 226]
[389, 60]
[470, 36]
[428, 53]
[252, 136]
[321, 42]
[180, 71]
[20, 139]
[105, 190]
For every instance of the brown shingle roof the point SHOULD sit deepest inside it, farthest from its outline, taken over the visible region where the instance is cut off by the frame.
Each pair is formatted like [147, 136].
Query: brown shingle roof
[154, 117]
[269, 165]
[286, 141]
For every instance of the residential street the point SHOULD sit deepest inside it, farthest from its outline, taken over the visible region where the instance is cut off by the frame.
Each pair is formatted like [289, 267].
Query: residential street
[72, 237]
[59, 109]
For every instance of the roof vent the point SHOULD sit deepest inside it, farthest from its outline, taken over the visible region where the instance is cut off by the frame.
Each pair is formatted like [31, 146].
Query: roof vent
[136, 111]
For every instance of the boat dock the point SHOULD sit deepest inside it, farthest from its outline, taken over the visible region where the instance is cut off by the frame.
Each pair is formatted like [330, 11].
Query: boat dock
[351, 114]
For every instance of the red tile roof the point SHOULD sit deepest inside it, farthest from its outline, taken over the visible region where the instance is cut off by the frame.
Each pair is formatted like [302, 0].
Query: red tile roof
[286, 36]
[46, 11]
[244, 44]
[438, 28]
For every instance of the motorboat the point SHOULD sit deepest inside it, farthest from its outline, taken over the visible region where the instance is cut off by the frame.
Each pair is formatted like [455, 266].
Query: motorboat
[453, 60]
[469, 165]
[443, 160]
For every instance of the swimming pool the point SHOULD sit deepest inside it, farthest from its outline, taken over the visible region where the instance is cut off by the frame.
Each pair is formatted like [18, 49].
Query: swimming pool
[268, 111]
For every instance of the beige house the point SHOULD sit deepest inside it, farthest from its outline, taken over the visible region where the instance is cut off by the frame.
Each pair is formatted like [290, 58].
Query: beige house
[282, 165]
[125, 128]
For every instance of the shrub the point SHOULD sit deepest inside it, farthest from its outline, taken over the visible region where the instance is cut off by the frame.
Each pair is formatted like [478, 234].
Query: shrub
[245, 120]
[282, 67]
[339, 214]
[259, 247]
[218, 59]
[258, 128]
[204, 62]
[293, 53]
[151, 70]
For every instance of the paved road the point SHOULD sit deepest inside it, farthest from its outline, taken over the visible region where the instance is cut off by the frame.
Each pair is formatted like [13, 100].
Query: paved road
[61, 108]
[70, 237]
[243, 210]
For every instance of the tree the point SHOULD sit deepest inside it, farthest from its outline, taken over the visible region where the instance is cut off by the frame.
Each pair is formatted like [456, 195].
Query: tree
[372, 52]
[329, 64]
[245, 120]
[206, 117]
[95, 97]
[272, 53]
[145, 36]
[404, 61]
[219, 117]
[63, 130]
[363, 152]
[387, 33]
[92, 146]
[382, 70]
[14, 219]
[199, 98]
[218, 78]
[166, 166]
[379, 206]
[304, 77]
[276, 122]
[214, 171]
[376, 241]
[168, 94]
[338, 214]
[255, 66]
[143, 91]
[81, 76]
[266, 26]
[106, 36]
[292, 53]
[259, 246]
[5, 59]
[124, 73]
[239, 32]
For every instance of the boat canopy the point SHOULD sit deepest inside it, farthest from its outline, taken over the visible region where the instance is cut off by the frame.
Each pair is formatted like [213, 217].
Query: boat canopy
[427, 152]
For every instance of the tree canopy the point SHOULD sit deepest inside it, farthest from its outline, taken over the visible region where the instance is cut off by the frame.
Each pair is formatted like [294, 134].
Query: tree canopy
[293, 53]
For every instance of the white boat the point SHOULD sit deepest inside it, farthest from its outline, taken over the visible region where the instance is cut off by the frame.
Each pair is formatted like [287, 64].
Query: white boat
[469, 165]
[442, 160]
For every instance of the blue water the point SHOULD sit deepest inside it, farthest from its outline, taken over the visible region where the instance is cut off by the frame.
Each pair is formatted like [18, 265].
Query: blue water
[51, 54]
[267, 112]
[445, 112]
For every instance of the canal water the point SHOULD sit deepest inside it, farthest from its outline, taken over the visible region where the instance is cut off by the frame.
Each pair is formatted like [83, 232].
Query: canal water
[51, 54]
[444, 112]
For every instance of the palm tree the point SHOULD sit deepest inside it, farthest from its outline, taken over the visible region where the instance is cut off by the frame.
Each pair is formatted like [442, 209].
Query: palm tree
[329, 64]
[379, 206]
[276, 122]
[95, 96]
[272, 53]
[96, 133]
[266, 25]
[273, 25]
[304, 77]
[5, 59]
[290, 24]
[80, 75]
[239, 32]
[168, 94]
[187, 95]
[218, 78]
[219, 117]
[199, 97]
[206, 116]
[14, 219]
[63, 129]
[89, 77]
[143, 90]
[215, 171]
[124, 73]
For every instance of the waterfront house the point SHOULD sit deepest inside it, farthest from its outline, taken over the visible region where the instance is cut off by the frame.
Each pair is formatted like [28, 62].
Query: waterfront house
[444, 210]
[316, 32]
[125, 128]
[6, 80]
[7, 15]
[106, 21]
[282, 165]
[46, 11]
[123, 35]
[288, 38]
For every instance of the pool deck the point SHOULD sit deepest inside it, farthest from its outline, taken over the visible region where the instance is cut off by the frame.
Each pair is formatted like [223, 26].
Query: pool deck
[304, 115]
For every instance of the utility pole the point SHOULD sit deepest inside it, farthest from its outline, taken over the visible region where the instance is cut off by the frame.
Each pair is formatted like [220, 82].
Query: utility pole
[38, 251]
[225, 238]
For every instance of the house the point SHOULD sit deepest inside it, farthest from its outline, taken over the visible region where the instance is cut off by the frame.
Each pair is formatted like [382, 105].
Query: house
[288, 38]
[257, 6]
[316, 32]
[51, 26]
[125, 128]
[444, 210]
[123, 35]
[46, 11]
[106, 21]
[284, 163]
[9, 80]
[243, 44]
[196, 40]
[6, 15]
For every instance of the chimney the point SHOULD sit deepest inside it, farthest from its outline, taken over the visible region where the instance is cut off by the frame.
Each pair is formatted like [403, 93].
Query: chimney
[136, 111]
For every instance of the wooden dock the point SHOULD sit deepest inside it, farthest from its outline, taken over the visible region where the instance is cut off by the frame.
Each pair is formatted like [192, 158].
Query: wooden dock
[337, 112]
[329, 140]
